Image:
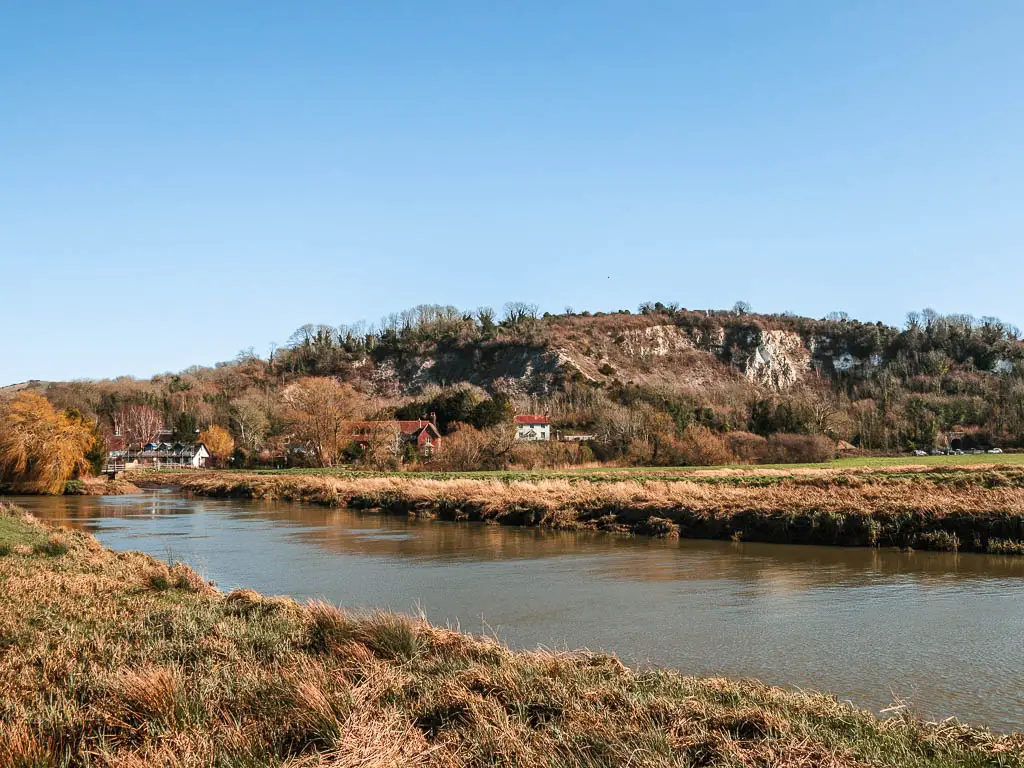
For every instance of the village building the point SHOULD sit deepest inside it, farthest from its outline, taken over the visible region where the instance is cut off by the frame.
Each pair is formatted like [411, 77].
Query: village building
[159, 455]
[562, 437]
[532, 426]
[418, 432]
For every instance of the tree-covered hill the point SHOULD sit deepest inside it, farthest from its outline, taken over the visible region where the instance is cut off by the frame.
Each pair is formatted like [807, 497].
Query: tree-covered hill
[660, 385]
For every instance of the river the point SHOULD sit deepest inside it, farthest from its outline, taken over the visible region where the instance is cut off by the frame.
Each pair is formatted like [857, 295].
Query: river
[941, 633]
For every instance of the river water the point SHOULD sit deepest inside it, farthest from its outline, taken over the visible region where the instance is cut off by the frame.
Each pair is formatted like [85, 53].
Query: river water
[942, 633]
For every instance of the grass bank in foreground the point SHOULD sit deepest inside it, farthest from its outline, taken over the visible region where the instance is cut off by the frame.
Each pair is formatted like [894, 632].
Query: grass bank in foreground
[119, 660]
[975, 510]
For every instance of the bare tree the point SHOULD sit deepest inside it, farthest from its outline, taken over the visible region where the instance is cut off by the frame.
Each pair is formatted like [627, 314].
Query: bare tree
[138, 424]
[519, 312]
[384, 449]
[520, 319]
[249, 417]
[485, 319]
[319, 410]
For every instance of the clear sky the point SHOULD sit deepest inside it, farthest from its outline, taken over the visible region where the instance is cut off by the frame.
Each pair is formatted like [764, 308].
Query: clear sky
[181, 180]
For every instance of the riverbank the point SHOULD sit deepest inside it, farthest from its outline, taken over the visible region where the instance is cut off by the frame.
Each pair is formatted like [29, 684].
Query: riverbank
[980, 511]
[118, 659]
[86, 486]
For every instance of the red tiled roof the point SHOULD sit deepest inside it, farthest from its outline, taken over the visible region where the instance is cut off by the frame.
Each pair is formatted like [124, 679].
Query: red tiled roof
[531, 418]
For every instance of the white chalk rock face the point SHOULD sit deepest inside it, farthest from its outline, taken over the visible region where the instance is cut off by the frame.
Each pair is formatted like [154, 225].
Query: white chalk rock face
[779, 361]
[655, 341]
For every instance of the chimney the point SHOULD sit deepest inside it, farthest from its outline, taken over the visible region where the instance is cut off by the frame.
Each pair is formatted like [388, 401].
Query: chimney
[433, 418]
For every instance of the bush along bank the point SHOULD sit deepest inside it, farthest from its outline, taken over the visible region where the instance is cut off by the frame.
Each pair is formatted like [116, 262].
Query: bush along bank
[828, 510]
[116, 659]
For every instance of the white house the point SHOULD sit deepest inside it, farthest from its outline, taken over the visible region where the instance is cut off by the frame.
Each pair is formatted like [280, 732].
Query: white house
[178, 456]
[532, 426]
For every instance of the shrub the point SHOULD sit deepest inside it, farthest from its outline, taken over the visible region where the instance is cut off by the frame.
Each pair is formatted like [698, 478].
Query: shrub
[659, 527]
[747, 447]
[943, 541]
[528, 455]
[799, 449]
[1005, 547]
[468, 448]
[702, 447]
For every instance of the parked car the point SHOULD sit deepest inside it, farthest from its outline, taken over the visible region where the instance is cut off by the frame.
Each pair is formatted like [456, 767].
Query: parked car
[920, 453]
[937, 452]
[995, 450]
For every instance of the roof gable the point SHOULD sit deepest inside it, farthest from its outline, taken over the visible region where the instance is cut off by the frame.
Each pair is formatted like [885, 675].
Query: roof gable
[531, 418]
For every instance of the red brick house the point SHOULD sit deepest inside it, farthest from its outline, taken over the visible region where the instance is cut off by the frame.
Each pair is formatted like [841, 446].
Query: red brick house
[419, 432]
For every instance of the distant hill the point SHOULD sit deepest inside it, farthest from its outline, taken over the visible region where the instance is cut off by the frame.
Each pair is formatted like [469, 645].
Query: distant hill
[657, 347]
[31, 384]
[872, 385]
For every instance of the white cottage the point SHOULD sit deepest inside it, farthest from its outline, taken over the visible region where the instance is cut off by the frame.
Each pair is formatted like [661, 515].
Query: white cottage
[177, 455]
[532, 426]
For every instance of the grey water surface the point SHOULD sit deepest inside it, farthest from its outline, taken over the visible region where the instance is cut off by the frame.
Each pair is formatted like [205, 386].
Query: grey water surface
[943, 633]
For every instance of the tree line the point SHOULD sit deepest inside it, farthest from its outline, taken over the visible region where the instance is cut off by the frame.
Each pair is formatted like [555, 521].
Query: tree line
[905, 389]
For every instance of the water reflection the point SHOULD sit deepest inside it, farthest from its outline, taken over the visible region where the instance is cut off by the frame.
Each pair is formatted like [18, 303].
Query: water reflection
[938, 628]
[351, 532]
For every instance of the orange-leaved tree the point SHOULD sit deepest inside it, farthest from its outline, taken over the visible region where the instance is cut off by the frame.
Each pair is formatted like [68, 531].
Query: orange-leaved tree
[41, 448]
[218, 442]
[320, 411]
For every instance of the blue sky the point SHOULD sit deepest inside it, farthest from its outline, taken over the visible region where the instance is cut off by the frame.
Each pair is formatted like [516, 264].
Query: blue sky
[179, 181]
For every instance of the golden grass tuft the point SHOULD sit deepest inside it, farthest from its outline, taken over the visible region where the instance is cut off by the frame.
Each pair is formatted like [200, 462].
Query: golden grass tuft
[142, 698]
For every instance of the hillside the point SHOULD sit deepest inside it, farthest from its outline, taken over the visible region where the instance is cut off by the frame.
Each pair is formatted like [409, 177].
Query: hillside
[657, 347]
[632, 379]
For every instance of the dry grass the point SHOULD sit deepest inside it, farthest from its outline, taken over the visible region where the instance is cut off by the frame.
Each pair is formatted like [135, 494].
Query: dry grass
[99, 486]
[978, 511]
[104, 665]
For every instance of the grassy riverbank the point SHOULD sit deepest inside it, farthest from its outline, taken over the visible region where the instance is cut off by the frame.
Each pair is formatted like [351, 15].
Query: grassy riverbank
[117, 659]
[857, 464]
[956, 509]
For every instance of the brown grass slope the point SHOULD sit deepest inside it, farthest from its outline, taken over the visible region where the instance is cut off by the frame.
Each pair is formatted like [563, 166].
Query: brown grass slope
[982, 514]
[113, 659]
